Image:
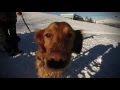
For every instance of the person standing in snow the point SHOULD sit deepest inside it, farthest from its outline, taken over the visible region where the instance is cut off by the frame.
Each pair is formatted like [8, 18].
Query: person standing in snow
[8, 24]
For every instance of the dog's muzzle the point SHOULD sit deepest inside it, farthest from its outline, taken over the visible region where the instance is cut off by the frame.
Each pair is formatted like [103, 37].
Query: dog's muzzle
[57, 61]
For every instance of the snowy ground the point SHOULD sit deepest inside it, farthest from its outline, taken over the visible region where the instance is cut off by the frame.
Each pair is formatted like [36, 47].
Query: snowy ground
[111, 22]
[99, 57]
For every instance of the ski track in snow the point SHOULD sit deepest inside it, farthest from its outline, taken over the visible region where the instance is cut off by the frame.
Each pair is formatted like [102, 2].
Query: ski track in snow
[99, 57]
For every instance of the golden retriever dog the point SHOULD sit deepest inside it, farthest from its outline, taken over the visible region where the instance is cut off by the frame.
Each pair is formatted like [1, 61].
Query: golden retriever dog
[55, 45]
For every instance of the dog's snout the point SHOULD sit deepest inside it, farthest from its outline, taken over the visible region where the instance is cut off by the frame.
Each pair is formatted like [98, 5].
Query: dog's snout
[56, 56]
[57, 61]
[56, 64]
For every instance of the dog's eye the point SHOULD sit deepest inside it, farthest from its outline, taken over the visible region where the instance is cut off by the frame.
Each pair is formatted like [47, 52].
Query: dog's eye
[48, 35]
[69, 35]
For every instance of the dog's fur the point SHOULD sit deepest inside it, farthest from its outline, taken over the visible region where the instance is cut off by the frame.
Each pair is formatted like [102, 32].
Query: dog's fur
[55, 45]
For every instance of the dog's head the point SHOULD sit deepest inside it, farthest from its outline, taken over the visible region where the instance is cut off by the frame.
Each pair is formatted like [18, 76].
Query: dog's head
[57, 42]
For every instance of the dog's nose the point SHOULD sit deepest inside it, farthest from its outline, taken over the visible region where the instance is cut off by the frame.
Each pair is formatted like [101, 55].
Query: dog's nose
[56, 61]
[57, 56]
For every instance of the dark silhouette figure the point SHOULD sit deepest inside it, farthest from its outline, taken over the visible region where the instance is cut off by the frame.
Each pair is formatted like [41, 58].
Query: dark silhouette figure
[10, 39]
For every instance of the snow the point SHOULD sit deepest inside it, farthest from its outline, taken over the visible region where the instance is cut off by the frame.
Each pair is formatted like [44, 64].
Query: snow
[109, 21]
[99, 57]
[45, 19]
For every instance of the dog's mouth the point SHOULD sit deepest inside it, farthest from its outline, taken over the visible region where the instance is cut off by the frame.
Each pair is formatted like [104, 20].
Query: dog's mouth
[52, 64]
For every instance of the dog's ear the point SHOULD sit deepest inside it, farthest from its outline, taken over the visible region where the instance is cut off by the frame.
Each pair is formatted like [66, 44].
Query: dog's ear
[39, 39]
[78, 41]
